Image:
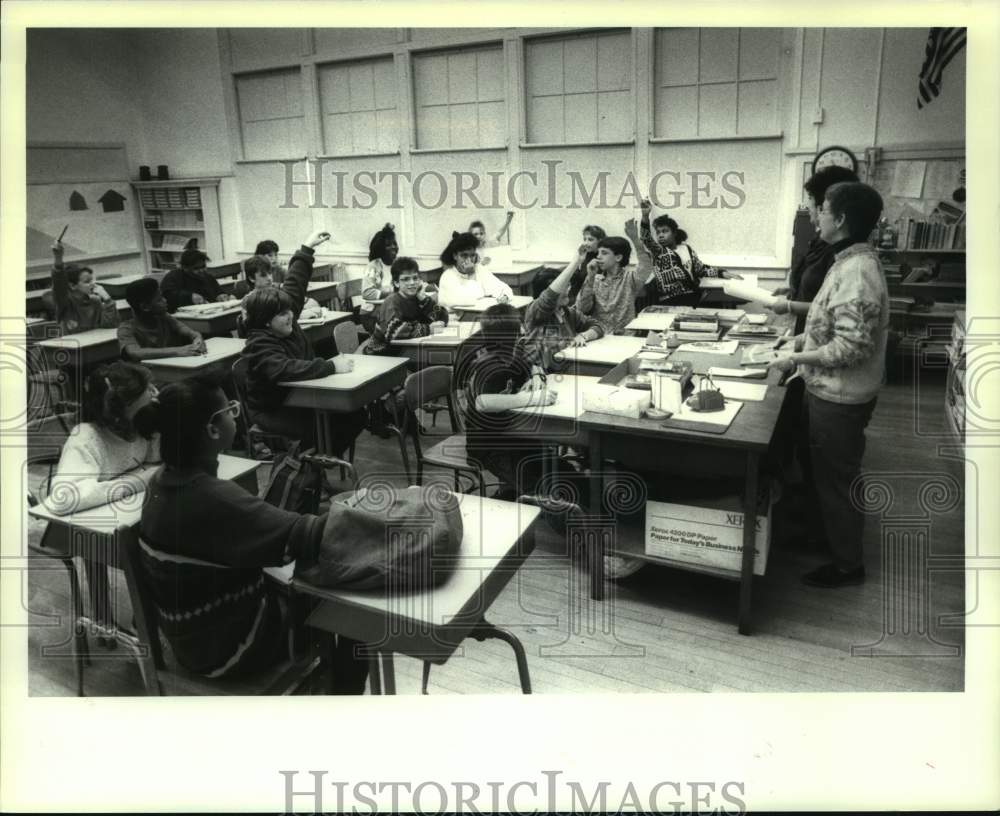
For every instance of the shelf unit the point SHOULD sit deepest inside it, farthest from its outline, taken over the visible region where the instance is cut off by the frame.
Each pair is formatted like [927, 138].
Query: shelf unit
[175, 212]
[926, 274]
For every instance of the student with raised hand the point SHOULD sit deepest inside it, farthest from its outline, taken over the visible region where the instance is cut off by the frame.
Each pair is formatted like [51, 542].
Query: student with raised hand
[269, 249]
[551, 324]
[478, 229]
[408, 312]
[205, 542]
[191, 283]
[610, 289]
[463, 281]
[591, 236]
[81, 303]
[277, 351]
[151, 332]
[677, 269]
[258, 273]
[841, 357]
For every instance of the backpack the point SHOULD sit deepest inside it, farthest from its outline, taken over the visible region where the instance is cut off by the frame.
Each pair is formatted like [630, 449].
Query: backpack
[296, 481]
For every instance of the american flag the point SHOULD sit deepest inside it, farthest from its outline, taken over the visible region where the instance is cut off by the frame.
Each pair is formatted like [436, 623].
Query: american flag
[942, 45]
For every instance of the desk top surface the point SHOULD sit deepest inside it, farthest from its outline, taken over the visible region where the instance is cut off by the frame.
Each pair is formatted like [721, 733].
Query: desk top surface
[481, 305]
[569, 389]
[322, 286]
[366, 368]
[492, 530]
[219, 348]
[609, 350]
[92, 337]
[205, 311]
[125, 513]
[454, 334]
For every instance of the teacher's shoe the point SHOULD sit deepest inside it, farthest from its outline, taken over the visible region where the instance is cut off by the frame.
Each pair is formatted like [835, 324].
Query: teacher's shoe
[830, 576]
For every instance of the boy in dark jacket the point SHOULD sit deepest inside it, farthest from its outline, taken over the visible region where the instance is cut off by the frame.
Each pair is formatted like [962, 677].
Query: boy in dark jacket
[277, 351]
[192, 283]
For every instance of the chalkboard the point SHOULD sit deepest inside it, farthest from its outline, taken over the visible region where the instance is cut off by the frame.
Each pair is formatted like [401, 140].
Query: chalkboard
[86, 187]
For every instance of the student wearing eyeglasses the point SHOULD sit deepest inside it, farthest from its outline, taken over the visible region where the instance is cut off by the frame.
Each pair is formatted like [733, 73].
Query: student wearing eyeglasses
[204, 542]
[410, 311]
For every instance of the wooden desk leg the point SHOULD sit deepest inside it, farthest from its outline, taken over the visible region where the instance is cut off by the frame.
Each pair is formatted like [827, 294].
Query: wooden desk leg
[749, 540]
[595, 553]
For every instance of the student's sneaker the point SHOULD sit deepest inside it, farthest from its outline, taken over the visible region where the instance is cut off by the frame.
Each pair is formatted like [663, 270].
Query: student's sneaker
[830, 576]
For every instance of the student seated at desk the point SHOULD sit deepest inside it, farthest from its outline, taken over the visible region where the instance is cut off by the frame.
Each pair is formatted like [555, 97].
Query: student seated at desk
[106, 456]
[463, 281]
[591, 236]
[269, 249]
[277, 350]
[551, 324]
[841, 357]
[191, 283]
[205, 542]
[258, 273]
[377, 283]
[408, 312]
[151, 332]
[81, 303]
[677, 269]
[494, 380]
[609, 291]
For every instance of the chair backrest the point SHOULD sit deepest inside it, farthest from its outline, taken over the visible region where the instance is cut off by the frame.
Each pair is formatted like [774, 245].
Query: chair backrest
[428, 384]
[239, 375]
[345, 335]
[361, 349]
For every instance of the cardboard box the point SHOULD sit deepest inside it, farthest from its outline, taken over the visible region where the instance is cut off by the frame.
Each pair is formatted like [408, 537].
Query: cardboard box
[707, 534]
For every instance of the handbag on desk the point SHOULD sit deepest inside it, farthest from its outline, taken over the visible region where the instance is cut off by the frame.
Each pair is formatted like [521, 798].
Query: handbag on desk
[382, 538]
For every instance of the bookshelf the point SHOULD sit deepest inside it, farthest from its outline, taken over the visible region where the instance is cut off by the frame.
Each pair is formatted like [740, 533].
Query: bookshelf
[954, 407]
[174, 213]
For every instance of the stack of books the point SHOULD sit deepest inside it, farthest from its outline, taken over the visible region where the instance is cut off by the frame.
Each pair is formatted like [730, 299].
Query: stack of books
[694, 326]
[747, 332]
[680, 370]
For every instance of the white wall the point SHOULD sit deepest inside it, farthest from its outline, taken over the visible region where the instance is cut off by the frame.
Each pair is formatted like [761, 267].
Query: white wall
[169, 95]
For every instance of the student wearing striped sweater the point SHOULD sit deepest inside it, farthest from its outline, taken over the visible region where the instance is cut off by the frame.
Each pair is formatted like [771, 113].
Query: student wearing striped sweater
[408, 312]
[205, 542]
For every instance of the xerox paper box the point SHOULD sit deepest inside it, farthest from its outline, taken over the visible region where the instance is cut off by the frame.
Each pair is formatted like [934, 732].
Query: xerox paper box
[707, 536]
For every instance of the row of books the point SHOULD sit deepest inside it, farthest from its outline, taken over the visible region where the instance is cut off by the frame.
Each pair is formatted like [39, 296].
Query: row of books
[170, 197]
[931, 235]
[171, 241]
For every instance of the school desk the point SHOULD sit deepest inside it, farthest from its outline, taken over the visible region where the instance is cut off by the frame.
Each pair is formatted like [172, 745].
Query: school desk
[473, 311]
[647, 444]
[97, 533]
[82, 349]
[372, 377]
[432, 624]
[520, 280]
[221, 353]
[115, 287]
[208, 322]
[437, 349]
[34, 304]
[323, 291]
[595, 358]
[231, 268]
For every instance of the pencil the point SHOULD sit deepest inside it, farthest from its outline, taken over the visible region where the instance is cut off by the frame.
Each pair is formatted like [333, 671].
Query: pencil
[61, 234]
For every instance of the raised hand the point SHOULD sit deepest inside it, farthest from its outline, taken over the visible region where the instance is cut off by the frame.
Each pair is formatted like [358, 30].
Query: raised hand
[317, 238]
[646, 207]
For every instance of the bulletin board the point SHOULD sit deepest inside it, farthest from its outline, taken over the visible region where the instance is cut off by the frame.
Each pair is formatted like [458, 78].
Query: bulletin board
[84, 187]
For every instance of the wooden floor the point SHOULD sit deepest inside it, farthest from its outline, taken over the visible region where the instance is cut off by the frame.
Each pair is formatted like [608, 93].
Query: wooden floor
[664, 629]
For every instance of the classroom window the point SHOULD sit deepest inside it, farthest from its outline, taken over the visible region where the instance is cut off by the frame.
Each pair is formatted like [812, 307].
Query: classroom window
[716, 82]
[579, 89]
[459, 98]
[272, 123]
[358, 107]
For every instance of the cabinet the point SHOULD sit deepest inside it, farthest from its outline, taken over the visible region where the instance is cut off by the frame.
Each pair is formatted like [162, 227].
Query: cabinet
[954, 404]
[176, 215]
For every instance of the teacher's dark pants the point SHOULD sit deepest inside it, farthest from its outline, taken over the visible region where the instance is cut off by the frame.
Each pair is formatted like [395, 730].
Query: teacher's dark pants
[837, 446]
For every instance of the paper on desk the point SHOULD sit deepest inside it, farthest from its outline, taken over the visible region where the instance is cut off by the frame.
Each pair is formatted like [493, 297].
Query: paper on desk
[651, 321]
[711, 347]
[752, 392]
[742, 373]
[756, 319]
[749, 278]
[744, 291]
